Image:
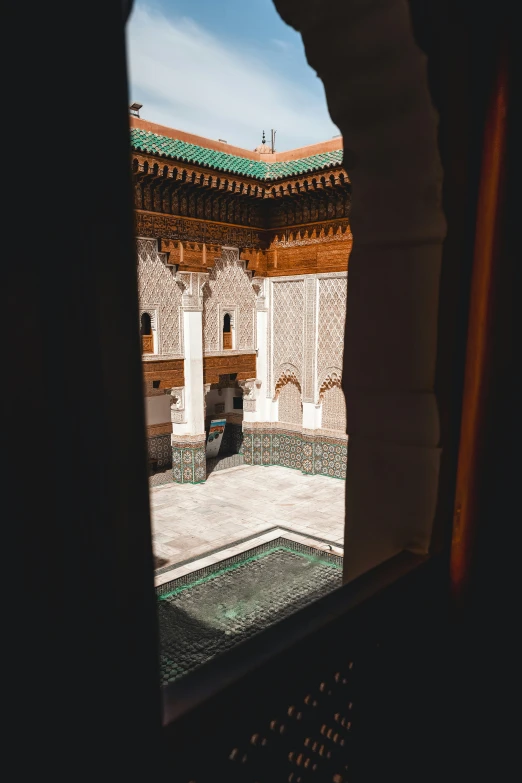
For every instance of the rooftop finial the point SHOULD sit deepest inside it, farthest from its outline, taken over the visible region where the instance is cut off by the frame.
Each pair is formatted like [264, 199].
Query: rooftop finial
[263, 148]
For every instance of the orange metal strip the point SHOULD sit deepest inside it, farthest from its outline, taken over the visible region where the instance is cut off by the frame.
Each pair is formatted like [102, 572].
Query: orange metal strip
[479, 347]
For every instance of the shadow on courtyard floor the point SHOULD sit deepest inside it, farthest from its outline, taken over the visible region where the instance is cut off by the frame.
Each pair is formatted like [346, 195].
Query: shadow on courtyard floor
[221, 462]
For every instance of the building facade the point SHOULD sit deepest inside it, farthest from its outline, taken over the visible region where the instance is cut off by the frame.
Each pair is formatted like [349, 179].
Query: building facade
[242, 273]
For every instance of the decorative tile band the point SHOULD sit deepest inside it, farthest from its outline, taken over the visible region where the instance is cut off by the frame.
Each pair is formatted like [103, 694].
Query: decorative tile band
[158, 448]
[189, 460]
[313, 454]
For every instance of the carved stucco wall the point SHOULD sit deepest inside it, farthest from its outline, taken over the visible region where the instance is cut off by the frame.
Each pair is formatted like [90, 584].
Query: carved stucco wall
[157, 290]
[290, 405]
[331, 318]
[307, 339]
[287, 330]
[229, 285]
[334, 410]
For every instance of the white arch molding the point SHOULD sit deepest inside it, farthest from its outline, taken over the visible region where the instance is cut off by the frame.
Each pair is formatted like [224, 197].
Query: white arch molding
[288, 394]
[331, 377]
[286, 373]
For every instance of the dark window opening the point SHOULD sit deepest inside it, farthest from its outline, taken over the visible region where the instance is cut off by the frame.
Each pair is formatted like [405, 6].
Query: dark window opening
[146, 326]
[227, 333]
[147, 340]
[156, 384]
[237, 403]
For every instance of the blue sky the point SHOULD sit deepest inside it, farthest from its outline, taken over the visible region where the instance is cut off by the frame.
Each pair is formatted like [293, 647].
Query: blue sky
[225, 70]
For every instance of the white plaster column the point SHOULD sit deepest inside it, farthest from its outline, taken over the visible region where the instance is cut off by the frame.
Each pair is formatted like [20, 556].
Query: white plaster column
[194, 399]
[194, 392]
[311, 416]
[263, 400]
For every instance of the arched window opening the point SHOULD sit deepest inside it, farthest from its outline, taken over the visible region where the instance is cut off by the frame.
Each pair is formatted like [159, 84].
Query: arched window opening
[147, 339]
[146, 325]
[227, 332]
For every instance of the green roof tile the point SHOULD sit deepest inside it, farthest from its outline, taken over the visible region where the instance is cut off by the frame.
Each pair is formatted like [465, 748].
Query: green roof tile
[164, 146]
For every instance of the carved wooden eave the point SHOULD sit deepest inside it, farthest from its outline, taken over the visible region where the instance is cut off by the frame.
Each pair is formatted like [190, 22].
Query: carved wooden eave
[309, 183]
[151, 170]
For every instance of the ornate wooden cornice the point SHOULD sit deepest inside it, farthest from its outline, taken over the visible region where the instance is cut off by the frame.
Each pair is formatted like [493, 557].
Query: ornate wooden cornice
[302, 250]
[168, 372]
[244, 365]
[195, 230]
[193, 245]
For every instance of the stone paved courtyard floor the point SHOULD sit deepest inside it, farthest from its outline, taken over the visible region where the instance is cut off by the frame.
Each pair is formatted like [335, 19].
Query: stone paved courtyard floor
[190, 520]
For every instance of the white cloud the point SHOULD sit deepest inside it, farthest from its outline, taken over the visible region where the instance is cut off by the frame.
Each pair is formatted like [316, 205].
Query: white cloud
[189, 79]
[284, 46]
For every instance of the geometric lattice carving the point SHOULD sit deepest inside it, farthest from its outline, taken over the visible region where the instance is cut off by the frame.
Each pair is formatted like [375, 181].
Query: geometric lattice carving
[331, 318]
[290, 403]
[333, 408]
[229, 285]
[288, 325]
[156, 286]
[310, 339]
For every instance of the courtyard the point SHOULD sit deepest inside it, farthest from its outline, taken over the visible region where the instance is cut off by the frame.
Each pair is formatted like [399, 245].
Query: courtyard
[242, 504]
